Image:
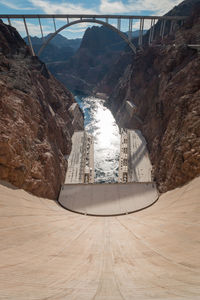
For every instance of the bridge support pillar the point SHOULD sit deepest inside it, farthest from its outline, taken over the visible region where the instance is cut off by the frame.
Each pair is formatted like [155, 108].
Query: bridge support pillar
[151, 33]
[29, 38]
[130, 29]
[162, 28]
[41, 30]
[172, 27]
[9, 22]
[141, 32]
[54, 23]
[119, 24]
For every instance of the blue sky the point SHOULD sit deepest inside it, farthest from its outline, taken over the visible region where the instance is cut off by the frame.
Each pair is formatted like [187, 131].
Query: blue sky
[130, 7]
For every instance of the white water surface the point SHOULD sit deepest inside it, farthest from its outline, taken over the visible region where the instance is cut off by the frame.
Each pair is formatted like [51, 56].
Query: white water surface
[100, 123]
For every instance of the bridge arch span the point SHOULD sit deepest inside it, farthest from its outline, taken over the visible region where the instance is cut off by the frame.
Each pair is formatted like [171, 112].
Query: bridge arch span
[121, 34]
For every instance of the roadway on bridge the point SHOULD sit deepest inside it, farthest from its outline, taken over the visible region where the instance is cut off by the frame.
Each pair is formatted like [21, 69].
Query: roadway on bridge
[47, 252]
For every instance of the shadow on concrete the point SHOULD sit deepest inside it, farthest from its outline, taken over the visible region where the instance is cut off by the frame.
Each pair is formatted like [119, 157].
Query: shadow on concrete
[107, 199]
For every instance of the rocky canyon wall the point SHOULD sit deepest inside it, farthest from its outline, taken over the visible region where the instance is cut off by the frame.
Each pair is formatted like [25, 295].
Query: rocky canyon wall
[164, 83]
[35, 120]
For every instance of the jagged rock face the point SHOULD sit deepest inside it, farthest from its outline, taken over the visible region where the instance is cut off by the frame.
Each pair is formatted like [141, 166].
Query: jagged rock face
[112, 78]
[164, 83]
[35, 124]
[101, 39]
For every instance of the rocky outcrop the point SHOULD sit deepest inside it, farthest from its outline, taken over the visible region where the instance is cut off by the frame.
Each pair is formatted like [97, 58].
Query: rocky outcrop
[35, 122]
[164, 84]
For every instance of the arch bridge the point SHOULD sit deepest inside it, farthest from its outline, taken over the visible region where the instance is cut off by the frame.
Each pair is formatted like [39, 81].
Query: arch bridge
[167, 25]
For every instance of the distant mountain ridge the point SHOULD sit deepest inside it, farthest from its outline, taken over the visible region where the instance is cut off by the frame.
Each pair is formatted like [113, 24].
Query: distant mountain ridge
[102, 55]
[99, 49]
[60, 48]
[59, 41]
[81, 63]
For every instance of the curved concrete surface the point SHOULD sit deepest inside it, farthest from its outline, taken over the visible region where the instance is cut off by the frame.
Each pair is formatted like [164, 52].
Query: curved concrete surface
[108, 199]
[47, 252]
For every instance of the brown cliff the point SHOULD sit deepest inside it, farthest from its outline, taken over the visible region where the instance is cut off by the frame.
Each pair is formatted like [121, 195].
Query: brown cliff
[35, 124]
[164, 83]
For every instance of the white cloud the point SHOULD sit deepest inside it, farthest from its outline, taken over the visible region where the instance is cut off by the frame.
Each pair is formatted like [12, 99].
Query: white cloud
[157, 7]
[34, 30]
[107, 7]
[62, 8]
[14, 6]
[137, 6]
[84, 25]
[81, 27]
[71, 29]
[147, 25]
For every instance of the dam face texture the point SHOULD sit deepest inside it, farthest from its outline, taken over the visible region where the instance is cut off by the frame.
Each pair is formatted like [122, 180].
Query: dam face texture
[47, 252]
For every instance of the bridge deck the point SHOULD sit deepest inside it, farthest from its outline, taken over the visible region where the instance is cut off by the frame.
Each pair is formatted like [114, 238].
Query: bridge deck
[74, 16]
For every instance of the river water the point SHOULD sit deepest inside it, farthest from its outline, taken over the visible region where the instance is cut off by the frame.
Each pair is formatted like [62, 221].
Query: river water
[100, 123]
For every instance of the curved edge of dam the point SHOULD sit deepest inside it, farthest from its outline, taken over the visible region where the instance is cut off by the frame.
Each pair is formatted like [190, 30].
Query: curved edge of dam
[108, 199]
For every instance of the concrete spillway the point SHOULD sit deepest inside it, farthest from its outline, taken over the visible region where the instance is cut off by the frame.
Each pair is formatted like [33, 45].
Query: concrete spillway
[47, 252]
[108, 199]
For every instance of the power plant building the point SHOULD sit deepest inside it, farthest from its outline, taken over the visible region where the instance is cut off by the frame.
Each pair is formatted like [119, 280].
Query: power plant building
[81, 159]
[134, 162]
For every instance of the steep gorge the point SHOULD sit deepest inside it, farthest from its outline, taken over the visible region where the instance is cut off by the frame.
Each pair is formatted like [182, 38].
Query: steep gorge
[99, 49]
[164, 84]
[35, 122]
